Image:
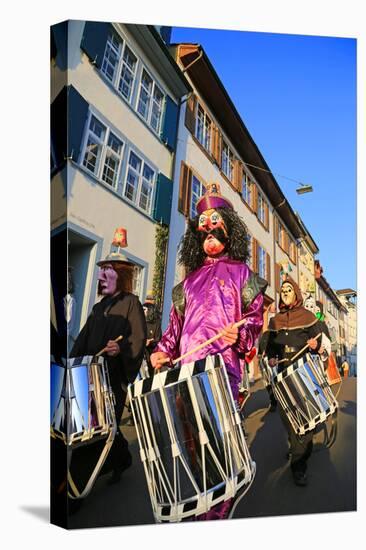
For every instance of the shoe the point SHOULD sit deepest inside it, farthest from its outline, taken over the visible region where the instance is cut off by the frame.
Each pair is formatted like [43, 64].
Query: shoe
[117, 474]
[300, 479]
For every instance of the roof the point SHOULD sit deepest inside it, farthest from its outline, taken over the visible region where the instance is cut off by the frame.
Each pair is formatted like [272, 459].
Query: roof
[204, 76]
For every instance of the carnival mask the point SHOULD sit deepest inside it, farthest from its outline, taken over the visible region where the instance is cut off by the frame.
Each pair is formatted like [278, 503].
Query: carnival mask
[107, 278]
[288, 295]
[211, 223]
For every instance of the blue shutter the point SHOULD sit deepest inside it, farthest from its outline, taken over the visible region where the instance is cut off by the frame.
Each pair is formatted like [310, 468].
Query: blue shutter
[94, 40]
[77, 115]
[59, 127]
[59, 43]
[170, 123]
[163, 199]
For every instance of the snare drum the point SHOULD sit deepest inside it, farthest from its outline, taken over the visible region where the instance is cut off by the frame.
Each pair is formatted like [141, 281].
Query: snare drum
[304, 393]
[82, 416]
[191, 441]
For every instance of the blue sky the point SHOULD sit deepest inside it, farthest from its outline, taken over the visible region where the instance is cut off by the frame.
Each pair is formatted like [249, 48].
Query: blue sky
[297, 97]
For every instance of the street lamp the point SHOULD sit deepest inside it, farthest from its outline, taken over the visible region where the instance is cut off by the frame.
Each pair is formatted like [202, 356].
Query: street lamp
[304, 189]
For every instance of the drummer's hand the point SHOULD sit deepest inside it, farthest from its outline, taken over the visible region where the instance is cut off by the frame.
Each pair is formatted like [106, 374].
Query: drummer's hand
[158, 359]
[230, 334]
[273, 362]
[112, 348]
[312, 343]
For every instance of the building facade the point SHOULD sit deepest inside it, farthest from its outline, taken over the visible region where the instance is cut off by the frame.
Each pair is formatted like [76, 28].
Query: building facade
[215, 146]
[348, 298]
[116, 94]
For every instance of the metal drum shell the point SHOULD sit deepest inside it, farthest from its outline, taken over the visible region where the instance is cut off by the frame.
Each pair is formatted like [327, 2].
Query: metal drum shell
[188, 472]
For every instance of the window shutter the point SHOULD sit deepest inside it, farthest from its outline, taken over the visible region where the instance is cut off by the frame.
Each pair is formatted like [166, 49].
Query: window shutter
[191, 107]
[254, 204]
[217, 145]
[163, 199]
[170, 123]
[275, 227]
[184, 189]
[277, 277]
[238, 170]
[59, 43]
[266, 209]
[77, 115]
[254, 255]
[268, 269]
[59, 127]
[94, 40]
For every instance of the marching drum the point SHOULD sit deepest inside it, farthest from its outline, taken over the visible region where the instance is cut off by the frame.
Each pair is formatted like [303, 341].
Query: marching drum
[191, 441]
[82, 416]
[304, 393]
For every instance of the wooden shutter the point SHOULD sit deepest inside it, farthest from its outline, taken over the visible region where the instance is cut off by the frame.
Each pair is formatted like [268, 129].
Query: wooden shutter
[266, 218]
[254, 204]
[184, 189]
[268, 268]
[275, 228]
[216, 145]
[191, 108]
[254, 255]
[238, 171]
[277, 277]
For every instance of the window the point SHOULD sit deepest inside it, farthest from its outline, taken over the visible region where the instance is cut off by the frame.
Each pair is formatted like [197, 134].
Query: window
[129, 62]
[150, 102]
[198, 190]
[119, 65]
[203, 128]
[247, 189]
[103, 152]
[227, 161]
[261, 209]
[262, 262]
[111, 56]
[137, 280]
[140, 181]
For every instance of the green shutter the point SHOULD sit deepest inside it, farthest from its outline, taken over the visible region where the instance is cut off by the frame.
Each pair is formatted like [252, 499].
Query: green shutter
[163, 199]
[170, 123]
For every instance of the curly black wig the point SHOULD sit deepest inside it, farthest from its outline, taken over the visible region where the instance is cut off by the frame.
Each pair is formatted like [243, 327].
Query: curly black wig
[191, 254]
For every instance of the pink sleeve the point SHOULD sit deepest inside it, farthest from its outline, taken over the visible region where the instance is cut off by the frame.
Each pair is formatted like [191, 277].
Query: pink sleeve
[169, 342]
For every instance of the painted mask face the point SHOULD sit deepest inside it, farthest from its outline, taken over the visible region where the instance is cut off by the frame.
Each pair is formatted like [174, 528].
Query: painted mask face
[107, 279]
[211, 222]
[310, 304]
[288, 295]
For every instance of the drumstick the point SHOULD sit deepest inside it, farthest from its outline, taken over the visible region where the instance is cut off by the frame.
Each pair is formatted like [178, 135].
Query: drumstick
[303, 349]
[204, 344]
[103, 350]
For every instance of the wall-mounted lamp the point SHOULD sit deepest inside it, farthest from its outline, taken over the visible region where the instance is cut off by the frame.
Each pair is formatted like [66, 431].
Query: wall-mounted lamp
[304, 189]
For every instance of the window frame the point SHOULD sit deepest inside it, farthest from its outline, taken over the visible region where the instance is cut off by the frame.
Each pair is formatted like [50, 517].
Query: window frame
[206, 140]
[230, 161]
[98, 173]
[123, 44]
[151, 103]
[202, 188]
[248, 185]
[260, 249]
[261, 208]
[137, 200]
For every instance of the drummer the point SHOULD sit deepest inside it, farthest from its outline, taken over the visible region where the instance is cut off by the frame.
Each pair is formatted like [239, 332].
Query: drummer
[292, 328]
[119, 312]
[218, 291]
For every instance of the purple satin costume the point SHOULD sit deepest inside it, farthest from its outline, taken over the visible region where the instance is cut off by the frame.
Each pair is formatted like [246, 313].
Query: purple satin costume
[213, 300]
